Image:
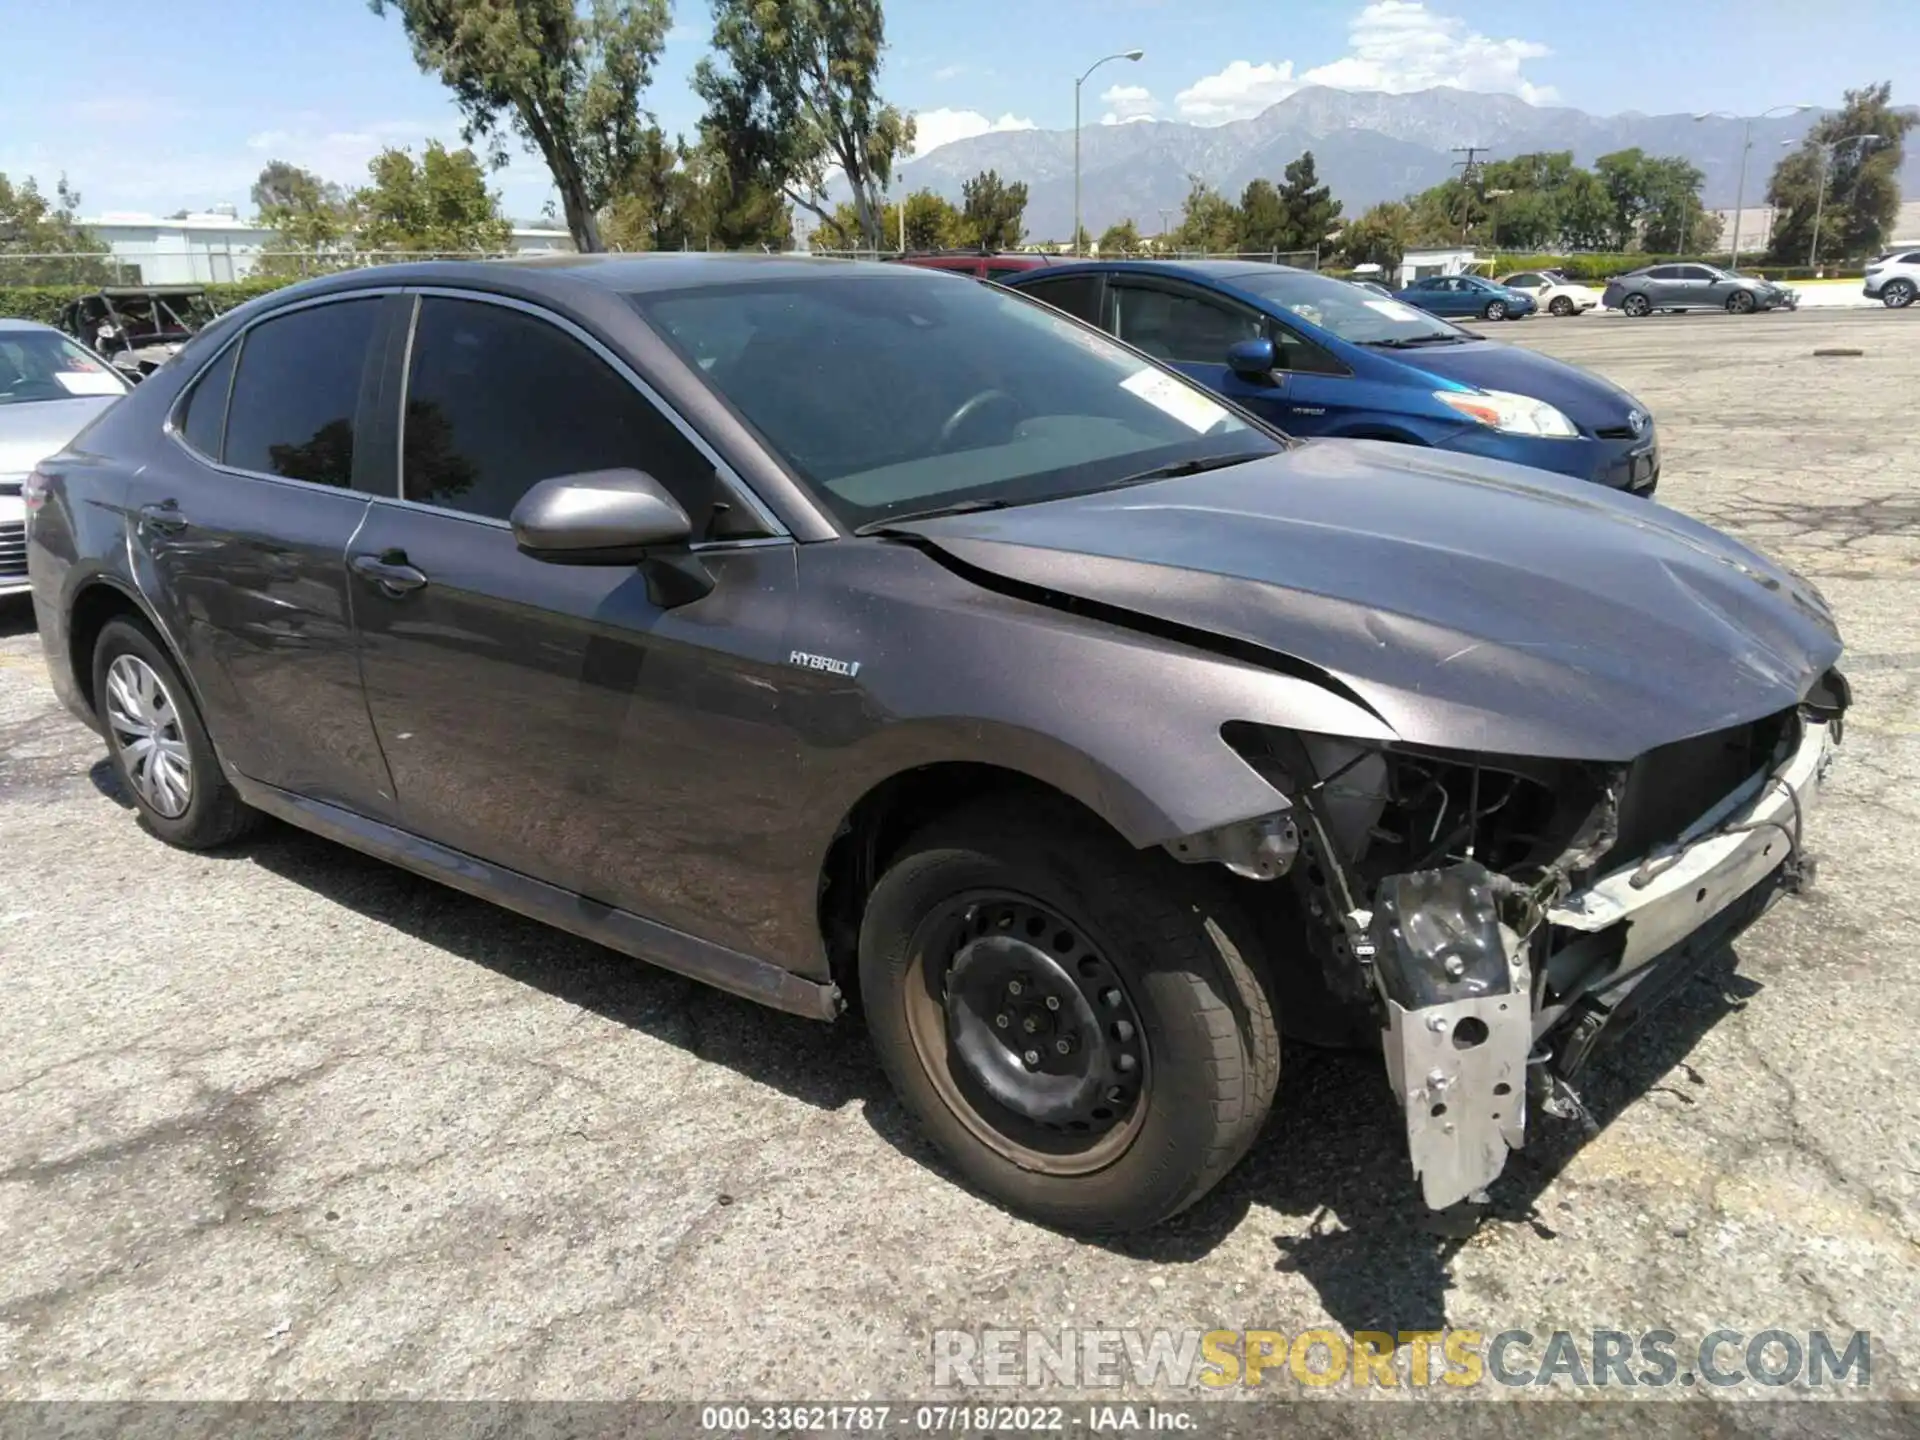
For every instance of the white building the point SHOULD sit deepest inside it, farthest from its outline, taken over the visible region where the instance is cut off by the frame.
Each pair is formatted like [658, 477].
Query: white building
[217, 245]
[1419, 264]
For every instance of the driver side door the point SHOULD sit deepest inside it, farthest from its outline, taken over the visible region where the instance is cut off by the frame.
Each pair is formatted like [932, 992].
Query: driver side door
[561, 720]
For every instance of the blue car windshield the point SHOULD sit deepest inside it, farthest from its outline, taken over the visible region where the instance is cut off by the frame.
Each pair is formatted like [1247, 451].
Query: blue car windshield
[1355, 315]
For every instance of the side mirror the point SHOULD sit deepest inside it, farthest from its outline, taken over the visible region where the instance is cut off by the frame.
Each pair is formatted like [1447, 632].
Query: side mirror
[1252, 359]
[601, 517]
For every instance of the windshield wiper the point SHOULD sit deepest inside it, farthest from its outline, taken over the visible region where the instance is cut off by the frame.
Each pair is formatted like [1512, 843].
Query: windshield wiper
[1190, 467]
[1414, 342]
[958, 507]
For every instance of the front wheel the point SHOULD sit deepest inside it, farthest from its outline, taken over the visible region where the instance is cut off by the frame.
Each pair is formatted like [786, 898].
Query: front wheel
[1898, 294]
[1637, 306]
[1496, 310]
[1740, 303]
[158, 743]
[1075, 1024]
[1560, 305]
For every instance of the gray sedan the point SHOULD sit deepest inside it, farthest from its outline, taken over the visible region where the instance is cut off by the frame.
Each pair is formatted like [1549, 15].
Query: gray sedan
[1694, 287]
[49, 388]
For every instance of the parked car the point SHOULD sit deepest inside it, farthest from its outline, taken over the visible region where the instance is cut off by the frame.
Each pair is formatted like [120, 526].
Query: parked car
[1318, 356]
[1467, 296]
[1893, 278]
[1552, 291]
[49, 389]
[981, 264]
[1086, 729]
[137, 327]
[1374, 287]
[1694, 287]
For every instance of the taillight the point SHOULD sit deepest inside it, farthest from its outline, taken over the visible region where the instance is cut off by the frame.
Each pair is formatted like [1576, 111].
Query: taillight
[33, 491]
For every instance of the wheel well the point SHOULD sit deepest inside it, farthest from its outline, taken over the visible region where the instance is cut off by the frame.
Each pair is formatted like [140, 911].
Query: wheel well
[92, 609]
[883, 820]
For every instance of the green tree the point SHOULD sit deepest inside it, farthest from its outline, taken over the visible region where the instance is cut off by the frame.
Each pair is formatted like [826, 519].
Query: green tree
[566, 79]
[1312, 214]
[1862, 181]
[1209, 222]
[932, 224]
[31, 224]
[439, 204]
[794, 84]
[1121, 239]
[991, 210]
[1675, 222]
[1378, 237]
[1263, 223]
[307, 213]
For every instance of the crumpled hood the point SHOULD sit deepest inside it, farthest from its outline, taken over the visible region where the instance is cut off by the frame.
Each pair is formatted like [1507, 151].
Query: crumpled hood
[1470, 603]
[1582, 396]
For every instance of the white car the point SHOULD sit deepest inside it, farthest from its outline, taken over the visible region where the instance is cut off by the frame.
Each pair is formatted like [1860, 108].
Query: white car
[1553, 292]
[1894, 278]
[49, 388]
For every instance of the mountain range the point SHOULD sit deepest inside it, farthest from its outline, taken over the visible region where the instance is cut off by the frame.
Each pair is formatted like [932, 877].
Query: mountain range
[1368, 145]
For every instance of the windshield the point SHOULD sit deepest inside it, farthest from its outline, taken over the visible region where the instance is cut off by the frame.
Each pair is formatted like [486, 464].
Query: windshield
[1347, 311]
[895, 395]
[40, 365]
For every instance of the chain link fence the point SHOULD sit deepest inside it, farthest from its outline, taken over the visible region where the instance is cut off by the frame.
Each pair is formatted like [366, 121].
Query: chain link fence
[163, 266]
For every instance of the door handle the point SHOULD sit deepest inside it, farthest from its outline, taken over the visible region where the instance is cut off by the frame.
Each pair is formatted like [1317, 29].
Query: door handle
[390, 571]
[163, 517]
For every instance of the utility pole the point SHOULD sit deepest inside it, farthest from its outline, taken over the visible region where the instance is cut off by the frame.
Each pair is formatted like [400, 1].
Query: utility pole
[1466, 168]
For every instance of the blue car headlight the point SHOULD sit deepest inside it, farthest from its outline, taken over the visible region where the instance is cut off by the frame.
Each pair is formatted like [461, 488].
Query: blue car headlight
[1510, 414]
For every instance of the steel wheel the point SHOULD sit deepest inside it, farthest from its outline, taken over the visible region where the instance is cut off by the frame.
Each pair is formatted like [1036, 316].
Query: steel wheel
[145, 726]
[1897, 294]
[1636, 306]
[1028, 1033]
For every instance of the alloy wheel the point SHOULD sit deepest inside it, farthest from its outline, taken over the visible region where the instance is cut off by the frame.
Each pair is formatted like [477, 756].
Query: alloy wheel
[1028, 1032]
[1636, 306]
[1497, 310]
[1898, 294]
[145, 726]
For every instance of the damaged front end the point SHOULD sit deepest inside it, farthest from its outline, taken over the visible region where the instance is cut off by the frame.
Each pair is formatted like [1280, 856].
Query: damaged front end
[1495, 915]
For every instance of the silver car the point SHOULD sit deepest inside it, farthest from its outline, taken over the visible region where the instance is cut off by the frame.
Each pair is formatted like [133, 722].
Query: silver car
[50, 387]
[1694, 287]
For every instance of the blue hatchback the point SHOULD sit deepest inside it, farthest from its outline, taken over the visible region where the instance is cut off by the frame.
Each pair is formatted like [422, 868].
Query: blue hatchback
[1316, 356]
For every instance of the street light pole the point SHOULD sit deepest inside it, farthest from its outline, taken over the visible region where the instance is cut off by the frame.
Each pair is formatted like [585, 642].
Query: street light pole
[1118, 55]
[1746, 147]
[1827, 150]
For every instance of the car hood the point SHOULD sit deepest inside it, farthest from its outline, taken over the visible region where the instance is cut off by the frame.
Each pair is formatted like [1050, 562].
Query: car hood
[1580, 395]
[31, 432]
[1469, 603]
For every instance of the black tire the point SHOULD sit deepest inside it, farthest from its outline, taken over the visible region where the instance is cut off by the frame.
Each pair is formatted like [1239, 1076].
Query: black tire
[1898, 293]
[1740, 302]
[1560, 305]
[1167, 933]
[213, 813]
[1636, 305]
[1496, 310]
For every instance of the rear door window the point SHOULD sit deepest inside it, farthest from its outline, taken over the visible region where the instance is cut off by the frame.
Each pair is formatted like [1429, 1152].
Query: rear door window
[205, 419]
[296, 392]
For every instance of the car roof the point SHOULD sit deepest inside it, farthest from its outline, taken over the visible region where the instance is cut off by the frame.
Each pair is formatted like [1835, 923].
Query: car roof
[1226, 272]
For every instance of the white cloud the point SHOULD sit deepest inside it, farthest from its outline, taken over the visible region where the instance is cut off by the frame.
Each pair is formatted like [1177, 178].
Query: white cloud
[1396, 45]
[949, 72]
[1128, 103]
[934, 128]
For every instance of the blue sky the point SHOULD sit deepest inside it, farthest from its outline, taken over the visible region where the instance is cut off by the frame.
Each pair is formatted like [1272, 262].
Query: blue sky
[162, 107]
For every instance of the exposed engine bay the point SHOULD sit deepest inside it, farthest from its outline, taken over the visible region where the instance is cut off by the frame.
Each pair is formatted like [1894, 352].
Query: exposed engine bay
[1496, 915]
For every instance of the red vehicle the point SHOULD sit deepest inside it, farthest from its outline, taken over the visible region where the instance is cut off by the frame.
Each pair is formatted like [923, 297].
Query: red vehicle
[982, 265]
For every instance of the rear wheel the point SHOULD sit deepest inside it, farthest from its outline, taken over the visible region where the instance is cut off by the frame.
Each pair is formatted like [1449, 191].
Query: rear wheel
[1560, 305]
[1496, 310]
[158, 744]
[1636, 305]
[1074, 1023]
[1740, 303]
[1898, 293]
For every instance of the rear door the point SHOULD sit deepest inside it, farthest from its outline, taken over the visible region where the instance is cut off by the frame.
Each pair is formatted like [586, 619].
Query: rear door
[240, 533]
[556, 719]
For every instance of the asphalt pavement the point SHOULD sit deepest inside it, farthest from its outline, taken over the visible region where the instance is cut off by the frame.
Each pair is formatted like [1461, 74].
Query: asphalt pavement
[284, 1122]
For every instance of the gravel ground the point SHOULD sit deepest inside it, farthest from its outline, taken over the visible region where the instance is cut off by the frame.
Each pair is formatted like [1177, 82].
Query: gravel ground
[283, 1122]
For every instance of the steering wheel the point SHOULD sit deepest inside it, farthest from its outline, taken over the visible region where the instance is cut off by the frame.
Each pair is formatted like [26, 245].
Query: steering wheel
[968, 410]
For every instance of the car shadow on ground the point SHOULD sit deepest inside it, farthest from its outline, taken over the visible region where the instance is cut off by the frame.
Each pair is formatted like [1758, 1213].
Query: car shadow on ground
[1333, 1155]
[16, 616]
